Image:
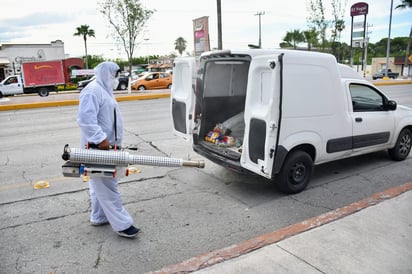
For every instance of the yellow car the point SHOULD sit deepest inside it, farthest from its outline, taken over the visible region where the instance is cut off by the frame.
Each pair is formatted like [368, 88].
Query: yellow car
[153, 80]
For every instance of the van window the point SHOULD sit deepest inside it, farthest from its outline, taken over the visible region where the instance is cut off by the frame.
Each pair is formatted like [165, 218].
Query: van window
[225, 78]
[365, 98]
[11, 80]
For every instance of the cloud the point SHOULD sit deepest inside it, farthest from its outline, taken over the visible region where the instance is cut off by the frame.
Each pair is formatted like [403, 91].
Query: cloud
[36, 19]
[25, 21]
[20, 27]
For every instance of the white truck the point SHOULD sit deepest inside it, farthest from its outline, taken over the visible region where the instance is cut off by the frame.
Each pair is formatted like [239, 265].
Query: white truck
[39, 77]
[277, 113]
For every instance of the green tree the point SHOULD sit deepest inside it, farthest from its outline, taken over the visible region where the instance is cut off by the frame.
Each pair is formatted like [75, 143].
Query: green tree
[338, 22]
[293, 38]
[318, 20]
[180, 45]
[406, 4]
[94, 60]
[171, 55]
[398, 45]
[311, 38]
[85, 31]
[127, 18]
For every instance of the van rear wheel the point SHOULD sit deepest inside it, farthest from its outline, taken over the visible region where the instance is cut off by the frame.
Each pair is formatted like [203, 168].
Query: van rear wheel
[296, 172]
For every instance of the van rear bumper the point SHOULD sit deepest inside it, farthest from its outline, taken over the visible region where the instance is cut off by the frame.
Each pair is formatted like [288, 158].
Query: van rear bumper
[220, 160]
[235, 165]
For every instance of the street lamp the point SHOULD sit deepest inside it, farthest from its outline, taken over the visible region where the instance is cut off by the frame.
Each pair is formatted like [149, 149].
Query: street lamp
[147, 50]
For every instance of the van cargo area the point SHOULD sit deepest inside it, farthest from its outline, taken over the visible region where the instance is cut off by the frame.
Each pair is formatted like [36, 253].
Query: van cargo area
[223, 89]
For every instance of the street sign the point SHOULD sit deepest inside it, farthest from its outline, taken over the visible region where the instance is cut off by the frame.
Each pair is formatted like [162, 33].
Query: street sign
[357, 43]
[358, 25]
[358, 34]
[360, 8]
[82, 72]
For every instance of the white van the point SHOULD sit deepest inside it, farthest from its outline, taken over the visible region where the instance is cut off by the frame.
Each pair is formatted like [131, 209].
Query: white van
[277, 113]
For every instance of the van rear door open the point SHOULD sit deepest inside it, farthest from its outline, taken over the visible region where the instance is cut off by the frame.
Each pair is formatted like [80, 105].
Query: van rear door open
[183, 96]
[262, 115]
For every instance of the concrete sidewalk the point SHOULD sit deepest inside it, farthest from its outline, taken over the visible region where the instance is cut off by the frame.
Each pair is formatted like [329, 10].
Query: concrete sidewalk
[373, 235]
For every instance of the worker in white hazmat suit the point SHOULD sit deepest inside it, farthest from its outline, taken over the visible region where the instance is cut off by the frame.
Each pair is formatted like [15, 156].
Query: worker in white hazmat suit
[101, 127]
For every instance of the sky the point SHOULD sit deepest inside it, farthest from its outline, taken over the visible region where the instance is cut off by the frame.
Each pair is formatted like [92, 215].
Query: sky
[43, 21]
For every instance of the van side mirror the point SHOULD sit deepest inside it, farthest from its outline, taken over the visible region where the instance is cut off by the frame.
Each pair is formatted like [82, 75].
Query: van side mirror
[390, 105]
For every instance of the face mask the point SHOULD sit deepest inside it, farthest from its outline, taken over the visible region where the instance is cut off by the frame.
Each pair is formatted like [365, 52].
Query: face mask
[115, 83]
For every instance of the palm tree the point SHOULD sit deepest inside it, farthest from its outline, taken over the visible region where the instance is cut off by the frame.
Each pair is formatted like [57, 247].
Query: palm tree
[84, 31]
[406, 4]
[294, 37]
[180, 45]
[311, 38]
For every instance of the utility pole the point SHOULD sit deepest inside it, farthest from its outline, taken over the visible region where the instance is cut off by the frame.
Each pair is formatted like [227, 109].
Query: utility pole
[365, 54]
[260, 13]
[219, 25]
[147, 50]
[389, 41]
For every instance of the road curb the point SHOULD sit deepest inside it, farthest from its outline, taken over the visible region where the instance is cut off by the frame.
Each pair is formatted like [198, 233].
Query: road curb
[391, 82]
[121, 98]
[221, 255]
[76, 102]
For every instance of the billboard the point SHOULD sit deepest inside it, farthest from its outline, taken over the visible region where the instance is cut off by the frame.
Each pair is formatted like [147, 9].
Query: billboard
[360, 8]
[358, 29]
[201, 35]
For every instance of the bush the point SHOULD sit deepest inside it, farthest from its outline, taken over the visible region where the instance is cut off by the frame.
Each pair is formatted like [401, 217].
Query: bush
[68, 86]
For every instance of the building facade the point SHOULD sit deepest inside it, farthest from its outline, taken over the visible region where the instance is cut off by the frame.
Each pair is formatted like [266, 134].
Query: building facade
[396, 64]
[12, 55]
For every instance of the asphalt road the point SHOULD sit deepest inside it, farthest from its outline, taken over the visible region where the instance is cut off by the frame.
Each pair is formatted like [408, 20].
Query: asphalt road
[182, 212]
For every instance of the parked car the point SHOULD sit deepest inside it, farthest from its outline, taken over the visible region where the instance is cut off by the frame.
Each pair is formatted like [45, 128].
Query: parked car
[82, 84]
[381, 73]
[153, 80]
[123, 82]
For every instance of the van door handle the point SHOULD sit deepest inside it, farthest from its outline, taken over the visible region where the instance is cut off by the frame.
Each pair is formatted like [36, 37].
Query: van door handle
[358, 119]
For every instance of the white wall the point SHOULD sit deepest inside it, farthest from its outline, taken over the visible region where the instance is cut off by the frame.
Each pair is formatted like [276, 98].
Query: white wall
[18, 53]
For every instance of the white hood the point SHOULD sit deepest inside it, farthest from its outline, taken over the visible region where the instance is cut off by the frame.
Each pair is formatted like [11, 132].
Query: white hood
[105, 75]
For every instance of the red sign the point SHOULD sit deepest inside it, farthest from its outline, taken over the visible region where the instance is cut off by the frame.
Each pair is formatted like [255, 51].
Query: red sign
[201, 35]
[360, 8]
